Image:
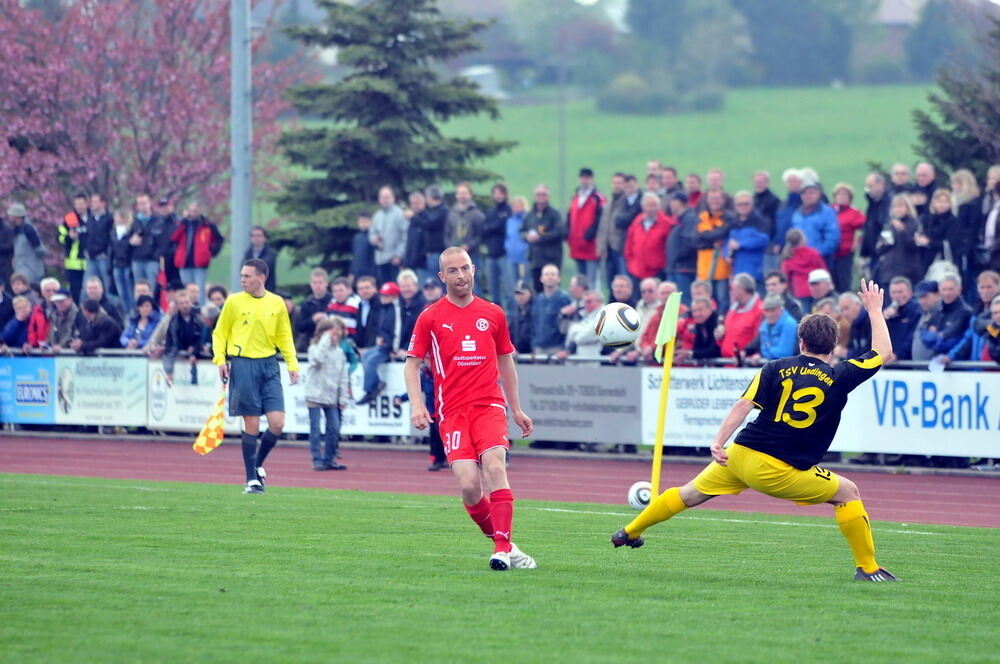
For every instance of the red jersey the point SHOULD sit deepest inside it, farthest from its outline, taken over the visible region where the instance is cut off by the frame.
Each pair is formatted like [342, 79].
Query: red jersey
[464, 343]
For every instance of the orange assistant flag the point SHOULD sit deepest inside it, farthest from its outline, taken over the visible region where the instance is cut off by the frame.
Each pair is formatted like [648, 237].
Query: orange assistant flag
[211, 434]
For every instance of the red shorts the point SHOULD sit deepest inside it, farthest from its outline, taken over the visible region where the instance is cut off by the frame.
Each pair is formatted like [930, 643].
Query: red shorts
[470, 432]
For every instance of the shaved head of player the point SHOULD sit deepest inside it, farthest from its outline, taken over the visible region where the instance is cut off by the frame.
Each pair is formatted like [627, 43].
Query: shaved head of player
[475, 386]
[458, 274]
[800, 401]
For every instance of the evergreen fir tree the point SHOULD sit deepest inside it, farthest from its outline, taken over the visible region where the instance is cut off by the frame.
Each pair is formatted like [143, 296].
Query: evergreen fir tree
[966, 133]
[378, 125]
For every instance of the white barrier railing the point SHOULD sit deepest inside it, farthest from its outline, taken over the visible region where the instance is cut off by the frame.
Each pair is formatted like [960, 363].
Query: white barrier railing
[954, 413]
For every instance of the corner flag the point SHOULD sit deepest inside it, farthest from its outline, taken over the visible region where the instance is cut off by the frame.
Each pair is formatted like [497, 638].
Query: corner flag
[211, 434]
[664, 353]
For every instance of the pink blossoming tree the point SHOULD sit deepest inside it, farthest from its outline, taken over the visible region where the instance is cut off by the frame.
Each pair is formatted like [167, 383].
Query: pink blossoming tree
[123, 96]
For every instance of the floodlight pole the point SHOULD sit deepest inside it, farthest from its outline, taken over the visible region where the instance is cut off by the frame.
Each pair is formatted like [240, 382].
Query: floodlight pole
[241, 138]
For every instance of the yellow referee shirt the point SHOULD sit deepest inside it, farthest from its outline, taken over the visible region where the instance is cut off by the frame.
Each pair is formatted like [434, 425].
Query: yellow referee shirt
[254, 327]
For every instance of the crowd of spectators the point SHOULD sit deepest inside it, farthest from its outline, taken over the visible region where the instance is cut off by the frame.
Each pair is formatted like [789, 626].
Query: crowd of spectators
[748, 265]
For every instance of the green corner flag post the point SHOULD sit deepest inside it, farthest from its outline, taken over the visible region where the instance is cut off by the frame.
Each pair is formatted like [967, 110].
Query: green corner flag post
[665, 336]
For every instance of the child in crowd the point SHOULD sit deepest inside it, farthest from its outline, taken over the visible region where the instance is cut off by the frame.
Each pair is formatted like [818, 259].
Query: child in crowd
[327, 392]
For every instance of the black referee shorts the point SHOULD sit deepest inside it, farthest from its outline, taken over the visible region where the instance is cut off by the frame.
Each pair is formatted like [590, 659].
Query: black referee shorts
[255, 386]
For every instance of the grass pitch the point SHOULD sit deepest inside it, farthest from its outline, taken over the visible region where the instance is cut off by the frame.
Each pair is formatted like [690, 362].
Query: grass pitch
[109, 571]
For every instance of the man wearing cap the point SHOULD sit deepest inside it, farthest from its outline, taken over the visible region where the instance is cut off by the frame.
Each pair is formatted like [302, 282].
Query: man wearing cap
[28, 250]
[389, 327]
[820, 286]
[65, 321]
[583, 218]
[165, 247]
[519, 321]
[949, 324]
[818, 222]
[432, 290]
[903, 315]
[778, 336]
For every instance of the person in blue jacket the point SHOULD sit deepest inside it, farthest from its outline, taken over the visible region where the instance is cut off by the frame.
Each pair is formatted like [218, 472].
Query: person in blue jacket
[747, 238]
[818, 222]
[778, 333]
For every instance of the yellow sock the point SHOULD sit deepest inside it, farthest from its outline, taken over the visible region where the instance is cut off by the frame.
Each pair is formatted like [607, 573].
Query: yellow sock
[668, 504]
[853, 521]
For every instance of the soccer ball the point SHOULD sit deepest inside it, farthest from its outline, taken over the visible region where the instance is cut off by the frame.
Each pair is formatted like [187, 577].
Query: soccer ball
[638, 495]
[617, 325]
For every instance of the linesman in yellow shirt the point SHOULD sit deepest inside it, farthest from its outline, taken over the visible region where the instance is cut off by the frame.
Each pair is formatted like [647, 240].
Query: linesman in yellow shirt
[254, 325]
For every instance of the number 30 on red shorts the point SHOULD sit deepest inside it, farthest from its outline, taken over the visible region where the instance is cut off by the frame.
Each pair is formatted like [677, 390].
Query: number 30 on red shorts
[472, 431]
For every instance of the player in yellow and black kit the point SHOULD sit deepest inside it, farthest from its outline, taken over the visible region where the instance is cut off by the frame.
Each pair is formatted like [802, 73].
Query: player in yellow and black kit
[254, 325]
[800, 399]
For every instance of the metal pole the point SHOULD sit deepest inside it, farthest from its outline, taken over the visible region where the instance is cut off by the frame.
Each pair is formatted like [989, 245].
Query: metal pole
[241, 137]
[561, 134]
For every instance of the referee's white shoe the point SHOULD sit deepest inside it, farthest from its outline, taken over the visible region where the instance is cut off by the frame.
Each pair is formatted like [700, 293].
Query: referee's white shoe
[254, 486]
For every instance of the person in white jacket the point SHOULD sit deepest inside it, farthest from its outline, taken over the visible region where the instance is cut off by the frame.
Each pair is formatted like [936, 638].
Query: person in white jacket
[327, 392]
[388, 235]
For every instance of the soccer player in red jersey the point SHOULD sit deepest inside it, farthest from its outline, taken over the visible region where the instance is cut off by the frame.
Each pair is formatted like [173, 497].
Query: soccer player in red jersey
[471, 355]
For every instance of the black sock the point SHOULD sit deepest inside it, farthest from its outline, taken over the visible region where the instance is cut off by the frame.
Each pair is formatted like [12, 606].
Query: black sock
[267, 442]
[250, 455]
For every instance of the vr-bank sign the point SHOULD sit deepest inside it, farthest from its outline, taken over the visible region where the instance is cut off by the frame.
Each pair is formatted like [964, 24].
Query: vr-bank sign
[902, 412]
[948, 413]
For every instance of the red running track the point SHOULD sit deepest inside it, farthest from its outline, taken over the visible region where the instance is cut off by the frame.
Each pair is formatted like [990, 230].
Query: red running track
[946, 500]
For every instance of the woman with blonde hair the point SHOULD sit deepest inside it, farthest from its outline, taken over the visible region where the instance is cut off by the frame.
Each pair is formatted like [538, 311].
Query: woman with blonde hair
[899, 254]
[939, 235]
[967, 206]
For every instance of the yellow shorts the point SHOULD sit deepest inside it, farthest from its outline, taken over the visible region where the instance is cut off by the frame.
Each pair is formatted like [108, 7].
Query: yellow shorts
[770, 476]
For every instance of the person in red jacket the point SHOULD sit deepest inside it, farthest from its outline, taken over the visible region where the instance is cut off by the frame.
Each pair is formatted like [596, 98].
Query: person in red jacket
[850, 220]
[41, 314]
[646, 241]
[799, 261]
[582, 220]
[196, 242]
[746, 312]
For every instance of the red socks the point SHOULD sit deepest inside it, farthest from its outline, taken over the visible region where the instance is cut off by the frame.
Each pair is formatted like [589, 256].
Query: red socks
[495, 517]
[480, 513]
[503, 518]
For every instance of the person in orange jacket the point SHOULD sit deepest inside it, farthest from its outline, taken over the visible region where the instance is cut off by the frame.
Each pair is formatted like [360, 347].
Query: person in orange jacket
[712, 232]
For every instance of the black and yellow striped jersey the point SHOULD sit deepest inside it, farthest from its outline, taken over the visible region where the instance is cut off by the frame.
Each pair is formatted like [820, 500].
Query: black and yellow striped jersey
[800, 399]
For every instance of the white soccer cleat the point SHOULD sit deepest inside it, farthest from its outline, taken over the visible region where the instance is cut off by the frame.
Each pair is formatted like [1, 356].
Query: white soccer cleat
[519, 559]
[500, 561]
[253, 486]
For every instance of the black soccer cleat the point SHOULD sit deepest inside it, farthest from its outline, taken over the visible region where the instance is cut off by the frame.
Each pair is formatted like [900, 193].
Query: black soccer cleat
[621, 538]
[877, 576]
